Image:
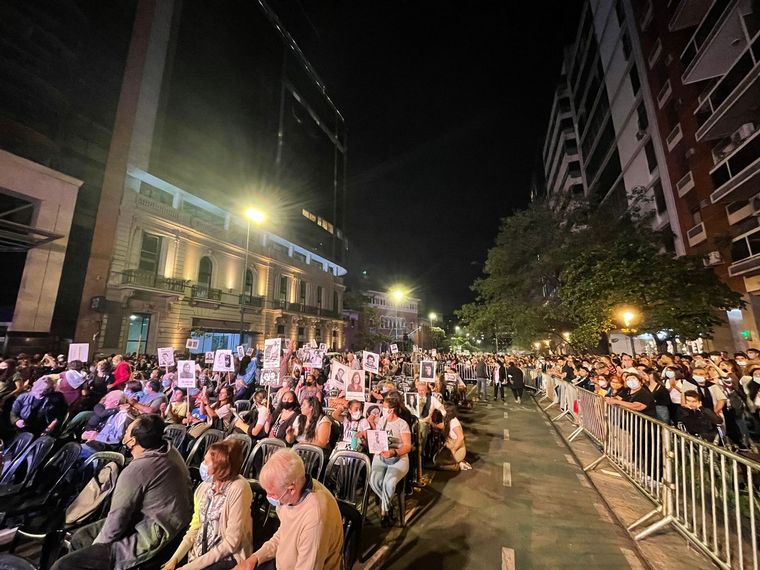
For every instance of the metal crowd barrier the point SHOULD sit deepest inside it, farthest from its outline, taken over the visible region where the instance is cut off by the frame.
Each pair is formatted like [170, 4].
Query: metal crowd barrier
[707, 493]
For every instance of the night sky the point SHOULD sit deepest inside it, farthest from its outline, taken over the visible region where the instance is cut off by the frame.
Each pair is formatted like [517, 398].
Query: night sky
[445, 105]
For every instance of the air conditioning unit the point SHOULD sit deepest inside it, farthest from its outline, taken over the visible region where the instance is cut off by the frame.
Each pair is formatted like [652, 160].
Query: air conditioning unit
[743, 132]
[712, 259]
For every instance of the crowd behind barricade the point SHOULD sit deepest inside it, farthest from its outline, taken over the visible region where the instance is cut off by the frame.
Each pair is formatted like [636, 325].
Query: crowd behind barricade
[113, 465]
[714, 396]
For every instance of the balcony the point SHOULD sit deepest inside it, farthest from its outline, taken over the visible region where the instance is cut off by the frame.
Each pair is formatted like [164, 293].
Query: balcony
[252, 300]
[697, 234]
[738, 211]
[303, 309]
[745, 253]
[736, 176]
[733, 99]
[140, 279]
[717, 42]
[203, 292]
[688, 13]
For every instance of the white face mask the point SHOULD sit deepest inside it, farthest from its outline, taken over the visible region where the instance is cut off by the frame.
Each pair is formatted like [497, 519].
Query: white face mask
[699, 379]
[356, 415]
[741, 362]
[756, 379]
[386, 412]
[670, 374]
[632, 383]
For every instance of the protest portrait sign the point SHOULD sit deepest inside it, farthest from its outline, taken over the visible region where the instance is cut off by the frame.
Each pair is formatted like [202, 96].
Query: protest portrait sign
[192, 343]
[209, 358]
[272, 350]
[240, 351]
[394, 348]
[355, 386]
[79, 351]
[186, 374]
[377, 440]
[338, 374]
[270, 377]
[166, 357]
[370, 361]
[427, 371]
[223, 361]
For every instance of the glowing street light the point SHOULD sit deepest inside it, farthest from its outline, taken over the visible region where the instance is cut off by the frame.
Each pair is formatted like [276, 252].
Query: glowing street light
[432, 317]
[257, 217]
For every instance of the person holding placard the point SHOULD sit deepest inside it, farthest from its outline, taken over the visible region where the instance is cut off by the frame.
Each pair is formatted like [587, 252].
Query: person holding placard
[390, 467]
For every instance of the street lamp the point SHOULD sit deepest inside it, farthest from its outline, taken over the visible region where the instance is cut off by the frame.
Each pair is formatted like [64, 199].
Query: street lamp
[257, 217]
[432, 317]
[629, 316]
[397, 295]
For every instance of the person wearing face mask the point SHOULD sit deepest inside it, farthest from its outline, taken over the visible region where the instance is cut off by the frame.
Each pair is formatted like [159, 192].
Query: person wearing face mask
[638, 397]
[713, 396]
[150, 505]
[310, 535]
[698, 420]
[390, 467]
[284, 416]
[254, 422]
[220, 535]
[354, 424]
[309, 388]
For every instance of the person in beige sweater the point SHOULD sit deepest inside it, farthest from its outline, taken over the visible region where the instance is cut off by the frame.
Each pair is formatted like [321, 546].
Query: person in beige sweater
[310, 536]
[221, 531]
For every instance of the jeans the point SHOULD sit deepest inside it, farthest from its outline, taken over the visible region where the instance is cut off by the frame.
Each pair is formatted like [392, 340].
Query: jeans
[84, 554]
[384, 477]
[482, 386]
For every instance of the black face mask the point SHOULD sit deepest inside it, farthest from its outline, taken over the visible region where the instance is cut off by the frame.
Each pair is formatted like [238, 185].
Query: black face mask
[288, 405]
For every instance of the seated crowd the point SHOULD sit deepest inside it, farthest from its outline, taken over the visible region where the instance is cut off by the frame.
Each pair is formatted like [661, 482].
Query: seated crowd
[125, 404]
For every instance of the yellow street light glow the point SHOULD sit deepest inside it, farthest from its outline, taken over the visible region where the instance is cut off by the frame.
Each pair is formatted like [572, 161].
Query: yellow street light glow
[398, 294]
[255, 215]
[628, 317]
[432, 316]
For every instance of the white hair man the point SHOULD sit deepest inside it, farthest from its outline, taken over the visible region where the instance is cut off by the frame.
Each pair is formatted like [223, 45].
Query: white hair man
[311, 528]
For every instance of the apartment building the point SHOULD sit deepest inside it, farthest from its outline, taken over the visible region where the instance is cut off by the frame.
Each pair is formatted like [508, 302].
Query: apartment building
[395, 317]
[703, 63]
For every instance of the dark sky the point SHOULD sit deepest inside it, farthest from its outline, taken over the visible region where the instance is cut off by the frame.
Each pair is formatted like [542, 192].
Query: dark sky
[445, 103]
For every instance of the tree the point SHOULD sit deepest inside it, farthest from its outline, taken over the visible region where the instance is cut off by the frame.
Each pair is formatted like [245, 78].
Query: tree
[547, 274]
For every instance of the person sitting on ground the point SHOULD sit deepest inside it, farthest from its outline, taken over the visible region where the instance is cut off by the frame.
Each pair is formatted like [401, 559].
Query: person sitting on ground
[697, 419]
[254, 422]
[310, 535]
[41, 410]
[221, 530]
[451, 456]
[151, 505]
[390, 467]
[312, 426]
[284, 416]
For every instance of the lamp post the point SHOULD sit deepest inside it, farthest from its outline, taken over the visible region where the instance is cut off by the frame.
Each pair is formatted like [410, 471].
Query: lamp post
[257, 217]
[398, 295]
[629, 316]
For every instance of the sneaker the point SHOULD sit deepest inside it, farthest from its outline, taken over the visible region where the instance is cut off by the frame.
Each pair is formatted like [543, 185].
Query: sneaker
[464, 466]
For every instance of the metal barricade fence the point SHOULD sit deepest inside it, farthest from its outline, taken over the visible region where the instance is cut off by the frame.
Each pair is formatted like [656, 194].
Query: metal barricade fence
[707, 493]
[530, 378]
[466, 372]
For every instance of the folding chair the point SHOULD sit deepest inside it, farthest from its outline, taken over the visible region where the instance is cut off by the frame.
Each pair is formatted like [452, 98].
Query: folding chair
[347, 477]
[313, 458]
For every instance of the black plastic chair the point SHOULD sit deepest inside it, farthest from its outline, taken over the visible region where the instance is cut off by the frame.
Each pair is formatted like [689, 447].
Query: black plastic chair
[245, 440]
[242, 406]
[177, 434]
[204, 441]
[16, 448]
[23, 468]
[347, 477]
[313, 458]
[264, 449]
[353, 524]
[75, 426]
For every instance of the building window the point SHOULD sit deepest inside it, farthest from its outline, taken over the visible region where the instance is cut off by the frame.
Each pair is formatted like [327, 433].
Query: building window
[249, 283]
[302, 293]
[335, 301]
[137, 334]
[283, 293]
[319, 295]
[651, 157]
[300, 331]
[641, 112]
[149, 253]
[204, 272]
[635, 82]
[318, 332]
[659, 197]
[280, 329]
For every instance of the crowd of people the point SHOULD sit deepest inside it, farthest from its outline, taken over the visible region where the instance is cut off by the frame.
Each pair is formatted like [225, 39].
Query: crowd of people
[128, 402]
